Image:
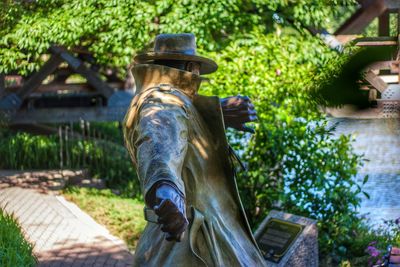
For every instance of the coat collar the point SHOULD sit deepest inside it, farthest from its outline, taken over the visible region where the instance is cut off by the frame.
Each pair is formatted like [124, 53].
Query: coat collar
[151, 75]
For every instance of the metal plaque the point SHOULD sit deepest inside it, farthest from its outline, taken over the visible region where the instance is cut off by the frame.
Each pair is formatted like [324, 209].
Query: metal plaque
[277, 237]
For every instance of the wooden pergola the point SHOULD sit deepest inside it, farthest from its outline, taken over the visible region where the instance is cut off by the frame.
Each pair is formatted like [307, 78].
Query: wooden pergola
[381, 79]
[48, 97]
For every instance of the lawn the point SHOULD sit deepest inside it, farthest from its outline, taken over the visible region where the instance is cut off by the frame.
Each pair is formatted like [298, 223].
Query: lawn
[15, 251]
[123, 217]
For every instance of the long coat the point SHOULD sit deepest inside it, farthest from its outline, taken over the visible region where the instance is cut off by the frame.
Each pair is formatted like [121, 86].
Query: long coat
[176, 135]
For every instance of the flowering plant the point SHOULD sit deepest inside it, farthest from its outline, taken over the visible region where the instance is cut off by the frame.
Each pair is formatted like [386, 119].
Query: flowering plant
[390, 231]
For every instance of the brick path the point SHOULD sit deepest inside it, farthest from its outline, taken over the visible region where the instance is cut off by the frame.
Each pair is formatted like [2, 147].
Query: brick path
[62, 234]
[379, 141]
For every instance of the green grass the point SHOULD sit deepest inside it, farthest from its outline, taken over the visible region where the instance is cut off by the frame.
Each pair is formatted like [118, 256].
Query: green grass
[15, 251]
[123, 217]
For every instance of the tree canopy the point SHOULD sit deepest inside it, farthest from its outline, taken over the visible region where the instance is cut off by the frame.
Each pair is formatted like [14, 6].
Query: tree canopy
[115, 30]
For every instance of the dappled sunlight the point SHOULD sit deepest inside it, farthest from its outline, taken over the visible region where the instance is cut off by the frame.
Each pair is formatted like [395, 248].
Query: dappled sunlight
[98, 252]
[60, 232]
[201, 147]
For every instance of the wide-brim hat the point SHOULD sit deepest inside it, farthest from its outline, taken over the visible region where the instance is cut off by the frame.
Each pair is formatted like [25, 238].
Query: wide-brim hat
[177, 47]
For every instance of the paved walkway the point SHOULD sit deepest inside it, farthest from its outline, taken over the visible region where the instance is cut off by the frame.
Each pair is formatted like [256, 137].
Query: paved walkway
[62, 234]
[379, 141]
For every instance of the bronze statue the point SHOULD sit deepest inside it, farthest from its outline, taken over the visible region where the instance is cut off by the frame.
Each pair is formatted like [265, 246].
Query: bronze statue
[177, 141]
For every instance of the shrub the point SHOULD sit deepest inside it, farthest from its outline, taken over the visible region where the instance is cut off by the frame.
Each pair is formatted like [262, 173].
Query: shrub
[375, 241]
[294, 162]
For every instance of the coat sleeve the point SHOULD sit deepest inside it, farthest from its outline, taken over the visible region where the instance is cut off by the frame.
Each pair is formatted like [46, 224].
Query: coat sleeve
[158, 145]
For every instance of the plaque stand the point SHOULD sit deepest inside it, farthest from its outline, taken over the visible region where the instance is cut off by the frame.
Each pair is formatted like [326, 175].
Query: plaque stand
[288, 240]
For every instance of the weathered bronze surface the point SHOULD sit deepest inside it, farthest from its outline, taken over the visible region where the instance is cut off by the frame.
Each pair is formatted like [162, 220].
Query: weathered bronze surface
[178, 137]
[177, 47]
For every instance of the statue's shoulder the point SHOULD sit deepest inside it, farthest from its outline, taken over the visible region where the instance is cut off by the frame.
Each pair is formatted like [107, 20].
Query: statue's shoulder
[158, 95]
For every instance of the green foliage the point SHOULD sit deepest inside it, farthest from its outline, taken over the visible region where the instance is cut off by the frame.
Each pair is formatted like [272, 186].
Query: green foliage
[294, 161]
[115, 30]
[122, 216]
[15, 251]
[103, 159]
[111, 131]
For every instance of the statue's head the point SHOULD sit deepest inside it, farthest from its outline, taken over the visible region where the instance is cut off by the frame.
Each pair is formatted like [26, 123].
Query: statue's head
[177, 51]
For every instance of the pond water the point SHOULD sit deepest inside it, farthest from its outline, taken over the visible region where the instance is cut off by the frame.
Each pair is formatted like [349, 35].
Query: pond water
[379, 141]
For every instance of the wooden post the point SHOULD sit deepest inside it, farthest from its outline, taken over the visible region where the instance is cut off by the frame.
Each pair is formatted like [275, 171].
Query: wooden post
[71, 126]
[83, 132]
[376, 81]
[372, 95]
[362, 17]
[88, 139]
[61, 147]
[67, 148]
[398, 40]
[2, 84]
[384, 24]
[96, 143]
[36, 79]
[88, 129]
[77, 65]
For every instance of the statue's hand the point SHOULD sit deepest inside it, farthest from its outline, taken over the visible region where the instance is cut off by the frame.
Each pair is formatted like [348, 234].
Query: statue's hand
[237, 111]
[171, 212]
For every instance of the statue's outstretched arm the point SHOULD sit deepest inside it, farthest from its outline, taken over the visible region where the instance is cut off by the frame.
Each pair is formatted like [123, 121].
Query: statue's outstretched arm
[160, 146]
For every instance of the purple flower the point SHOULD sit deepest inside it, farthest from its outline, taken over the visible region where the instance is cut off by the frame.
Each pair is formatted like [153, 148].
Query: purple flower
[372, 243]
[373, 251]
[397, 221]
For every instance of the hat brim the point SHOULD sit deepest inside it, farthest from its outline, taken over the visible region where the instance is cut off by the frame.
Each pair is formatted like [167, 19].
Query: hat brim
[207, 66]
